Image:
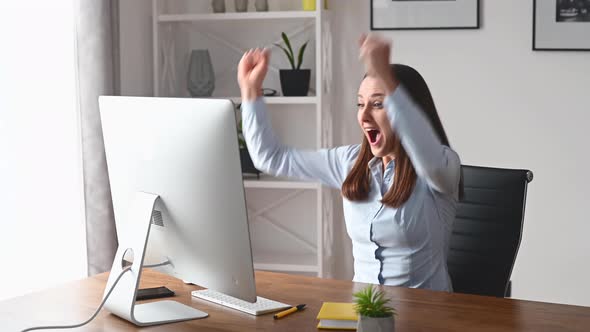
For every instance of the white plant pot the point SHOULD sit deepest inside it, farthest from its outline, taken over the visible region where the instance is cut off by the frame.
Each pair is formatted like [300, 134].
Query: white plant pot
[371, 324]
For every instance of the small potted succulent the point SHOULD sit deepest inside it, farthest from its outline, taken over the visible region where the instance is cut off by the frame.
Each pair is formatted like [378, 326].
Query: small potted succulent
[294, 81]
[374, 313]
[245, 160]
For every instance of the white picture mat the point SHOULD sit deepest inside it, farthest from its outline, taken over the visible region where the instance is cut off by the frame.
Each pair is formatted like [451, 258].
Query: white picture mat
[561, 35]
[424, 14]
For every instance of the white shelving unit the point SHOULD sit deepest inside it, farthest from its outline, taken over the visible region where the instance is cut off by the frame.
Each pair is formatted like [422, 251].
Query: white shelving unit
[311, 259]
[269, 182]
[289, 263]
[275, 15]
[282, 100]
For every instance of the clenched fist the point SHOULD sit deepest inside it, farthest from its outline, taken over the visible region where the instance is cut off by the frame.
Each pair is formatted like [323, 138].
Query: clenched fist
[251, 73]
[374, 52]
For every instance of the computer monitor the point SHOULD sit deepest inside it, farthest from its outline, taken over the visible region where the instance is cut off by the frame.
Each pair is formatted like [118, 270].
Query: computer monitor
[176, 180]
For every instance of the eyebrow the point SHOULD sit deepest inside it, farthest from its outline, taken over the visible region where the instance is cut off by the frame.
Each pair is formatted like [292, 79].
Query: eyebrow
[374, 95]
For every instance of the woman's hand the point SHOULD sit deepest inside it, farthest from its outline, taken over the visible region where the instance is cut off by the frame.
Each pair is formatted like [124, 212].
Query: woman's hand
[374, 53]
[251, 72]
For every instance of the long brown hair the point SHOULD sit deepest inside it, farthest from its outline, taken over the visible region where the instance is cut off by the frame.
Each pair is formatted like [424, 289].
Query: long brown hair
[356, 186]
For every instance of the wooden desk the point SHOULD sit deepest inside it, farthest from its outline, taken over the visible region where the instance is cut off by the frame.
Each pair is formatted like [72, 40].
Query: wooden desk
[418, 310]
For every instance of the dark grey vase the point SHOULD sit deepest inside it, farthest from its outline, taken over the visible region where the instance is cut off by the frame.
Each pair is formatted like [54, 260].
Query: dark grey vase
[241, 5]
[201, 78]
[372, 324]
[261, 5]
[218, 6]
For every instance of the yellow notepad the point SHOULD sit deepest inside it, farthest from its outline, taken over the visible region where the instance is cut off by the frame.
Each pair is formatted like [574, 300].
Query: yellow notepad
[337, 315]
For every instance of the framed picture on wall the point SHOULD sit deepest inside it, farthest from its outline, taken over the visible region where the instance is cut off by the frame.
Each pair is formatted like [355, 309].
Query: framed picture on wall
[424, 14]
[561, 25]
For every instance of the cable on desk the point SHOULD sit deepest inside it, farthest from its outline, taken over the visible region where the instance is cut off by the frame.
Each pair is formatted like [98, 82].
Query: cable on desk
[89, 319]
[157, 265]
[99, 307]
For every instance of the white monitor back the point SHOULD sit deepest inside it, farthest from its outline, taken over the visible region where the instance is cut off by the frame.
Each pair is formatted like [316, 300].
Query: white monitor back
[185, 151]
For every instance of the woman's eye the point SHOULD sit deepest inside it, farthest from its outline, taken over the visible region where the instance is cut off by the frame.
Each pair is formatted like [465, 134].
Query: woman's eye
[359, 105]
[377, 105]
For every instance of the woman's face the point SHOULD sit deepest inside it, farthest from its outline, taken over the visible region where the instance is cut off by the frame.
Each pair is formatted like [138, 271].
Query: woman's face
[373, 119]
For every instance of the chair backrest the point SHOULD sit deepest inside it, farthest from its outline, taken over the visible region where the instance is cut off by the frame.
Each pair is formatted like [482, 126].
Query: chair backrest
[487, 229]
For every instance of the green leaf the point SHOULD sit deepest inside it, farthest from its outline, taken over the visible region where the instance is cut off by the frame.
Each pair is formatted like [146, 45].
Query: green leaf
[300, 57]
[241, 143]
[286, 41]
[371, 302]
[288, 56]
[241, 140]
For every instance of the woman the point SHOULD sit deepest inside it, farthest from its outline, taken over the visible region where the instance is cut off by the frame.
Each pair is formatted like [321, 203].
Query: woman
[400, 185]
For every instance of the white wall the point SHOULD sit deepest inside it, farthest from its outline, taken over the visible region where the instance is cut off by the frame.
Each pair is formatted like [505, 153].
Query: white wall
[135, 44]
[502, 105]
[42, 241]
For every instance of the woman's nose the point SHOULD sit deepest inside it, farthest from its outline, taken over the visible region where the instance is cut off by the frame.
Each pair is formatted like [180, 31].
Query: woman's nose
[365, 112]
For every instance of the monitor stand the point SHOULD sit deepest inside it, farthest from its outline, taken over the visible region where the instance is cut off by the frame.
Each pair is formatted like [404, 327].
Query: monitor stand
[121, 302]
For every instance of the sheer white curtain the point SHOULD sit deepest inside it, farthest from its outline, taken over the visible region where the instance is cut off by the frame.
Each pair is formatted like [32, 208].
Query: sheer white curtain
[42, 240]
[96, 33]
[57, 221]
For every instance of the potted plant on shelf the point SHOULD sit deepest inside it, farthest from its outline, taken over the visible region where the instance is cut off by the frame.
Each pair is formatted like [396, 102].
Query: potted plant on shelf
[294, 81]
[374, 313]
[245, 160]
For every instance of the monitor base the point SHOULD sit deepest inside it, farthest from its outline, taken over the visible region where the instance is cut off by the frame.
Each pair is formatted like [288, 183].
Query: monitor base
[121, 301]
[162, 312]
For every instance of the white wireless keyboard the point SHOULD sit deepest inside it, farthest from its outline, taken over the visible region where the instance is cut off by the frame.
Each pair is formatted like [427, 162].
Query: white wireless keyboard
[262, 305]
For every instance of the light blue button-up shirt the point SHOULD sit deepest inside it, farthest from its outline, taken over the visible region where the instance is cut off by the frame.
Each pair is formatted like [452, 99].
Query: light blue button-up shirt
[405, 246]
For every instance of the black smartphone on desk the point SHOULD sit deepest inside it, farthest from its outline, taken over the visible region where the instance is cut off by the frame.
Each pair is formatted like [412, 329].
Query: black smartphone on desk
[153, 293]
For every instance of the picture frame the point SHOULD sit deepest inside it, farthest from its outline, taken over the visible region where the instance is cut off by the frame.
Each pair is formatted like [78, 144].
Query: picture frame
[424, 14]
[561, 25]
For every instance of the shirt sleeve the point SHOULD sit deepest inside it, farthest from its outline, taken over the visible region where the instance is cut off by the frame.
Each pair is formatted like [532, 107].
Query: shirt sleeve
[328, 166]
[438, 164]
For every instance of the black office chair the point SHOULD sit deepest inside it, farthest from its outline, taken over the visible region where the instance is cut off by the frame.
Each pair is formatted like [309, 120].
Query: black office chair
[487, 230]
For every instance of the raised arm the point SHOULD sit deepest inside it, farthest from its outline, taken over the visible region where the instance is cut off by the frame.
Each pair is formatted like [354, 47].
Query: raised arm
[270, 156]
[329, 166]
[433, 161]
[437, 163]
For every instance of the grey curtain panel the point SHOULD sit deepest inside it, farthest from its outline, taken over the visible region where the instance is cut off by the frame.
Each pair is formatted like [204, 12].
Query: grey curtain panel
[96, 33]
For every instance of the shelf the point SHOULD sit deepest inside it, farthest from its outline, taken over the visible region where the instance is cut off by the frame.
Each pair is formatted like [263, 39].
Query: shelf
[297, 250]
[312, 100]
[269, 182]
[236, 16]
[286, 263]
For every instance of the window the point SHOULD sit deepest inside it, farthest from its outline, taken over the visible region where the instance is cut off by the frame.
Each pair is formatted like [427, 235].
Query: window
[42, 241]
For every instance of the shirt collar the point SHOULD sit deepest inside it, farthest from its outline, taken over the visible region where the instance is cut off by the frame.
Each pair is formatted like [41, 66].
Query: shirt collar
[376, 162]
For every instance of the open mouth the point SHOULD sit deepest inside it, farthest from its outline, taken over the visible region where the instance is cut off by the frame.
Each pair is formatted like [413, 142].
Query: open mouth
[374, 136]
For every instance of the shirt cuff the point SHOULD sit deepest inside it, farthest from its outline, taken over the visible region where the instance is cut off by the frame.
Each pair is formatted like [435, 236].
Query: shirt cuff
[253, 104]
